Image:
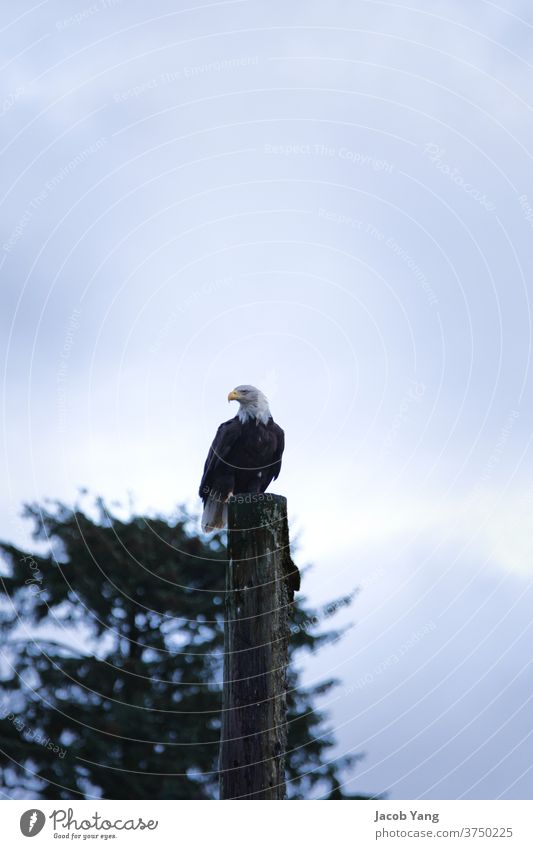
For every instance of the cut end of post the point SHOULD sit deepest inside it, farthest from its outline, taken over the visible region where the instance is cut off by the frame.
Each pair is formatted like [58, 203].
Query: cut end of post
[263, 507]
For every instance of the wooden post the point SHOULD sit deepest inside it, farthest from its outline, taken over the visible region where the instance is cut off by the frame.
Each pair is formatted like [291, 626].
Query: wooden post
[260, 583]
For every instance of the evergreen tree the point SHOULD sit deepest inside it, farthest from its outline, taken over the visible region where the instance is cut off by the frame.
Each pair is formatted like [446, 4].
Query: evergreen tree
[112, 679]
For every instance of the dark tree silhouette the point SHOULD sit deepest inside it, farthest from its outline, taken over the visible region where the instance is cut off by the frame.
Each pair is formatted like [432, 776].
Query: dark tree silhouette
[112, 686]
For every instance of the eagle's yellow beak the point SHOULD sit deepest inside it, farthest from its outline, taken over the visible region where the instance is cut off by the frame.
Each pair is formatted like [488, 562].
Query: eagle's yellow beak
[234, 395]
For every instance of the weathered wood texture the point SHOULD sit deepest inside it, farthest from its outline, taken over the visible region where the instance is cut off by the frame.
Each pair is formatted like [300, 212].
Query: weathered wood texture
[260, 584]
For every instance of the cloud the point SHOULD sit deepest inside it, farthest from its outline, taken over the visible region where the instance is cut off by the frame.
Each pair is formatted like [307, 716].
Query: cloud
[484, 524]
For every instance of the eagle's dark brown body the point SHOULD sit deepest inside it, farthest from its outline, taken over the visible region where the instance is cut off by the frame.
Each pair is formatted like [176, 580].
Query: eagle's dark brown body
[244, 457]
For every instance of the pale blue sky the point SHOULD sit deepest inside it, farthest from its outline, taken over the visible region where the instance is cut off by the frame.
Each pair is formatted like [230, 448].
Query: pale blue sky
[332, 201]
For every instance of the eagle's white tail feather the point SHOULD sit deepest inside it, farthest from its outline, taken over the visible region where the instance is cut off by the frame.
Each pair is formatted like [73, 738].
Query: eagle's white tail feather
[215, 515]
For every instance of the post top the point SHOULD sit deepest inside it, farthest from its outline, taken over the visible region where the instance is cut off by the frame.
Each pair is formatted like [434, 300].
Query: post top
[252, 509]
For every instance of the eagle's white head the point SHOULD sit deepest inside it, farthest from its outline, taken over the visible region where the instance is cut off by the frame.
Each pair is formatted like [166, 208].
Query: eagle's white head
[253, 404]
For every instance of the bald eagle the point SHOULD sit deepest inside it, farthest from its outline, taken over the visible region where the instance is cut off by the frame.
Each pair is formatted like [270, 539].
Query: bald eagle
[245, 456]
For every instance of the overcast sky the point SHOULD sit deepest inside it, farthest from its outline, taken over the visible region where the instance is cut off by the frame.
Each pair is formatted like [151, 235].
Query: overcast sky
[332, 201]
